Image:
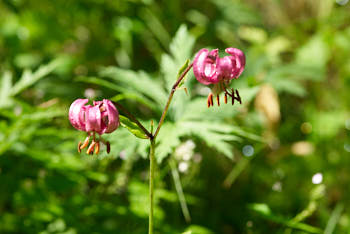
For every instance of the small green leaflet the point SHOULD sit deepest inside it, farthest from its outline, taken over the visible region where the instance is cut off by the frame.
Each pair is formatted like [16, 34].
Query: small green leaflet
[132, 127]
[181, 70]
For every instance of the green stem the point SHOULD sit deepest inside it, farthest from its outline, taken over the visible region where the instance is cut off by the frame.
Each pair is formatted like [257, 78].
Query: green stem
[152, 138]
[171, 97]
[133, 118]
[151, 185]
[179, 190]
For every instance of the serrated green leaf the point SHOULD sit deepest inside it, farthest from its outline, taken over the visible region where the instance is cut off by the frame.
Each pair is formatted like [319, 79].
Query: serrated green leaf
[180, 51]
[137, 82]
[132, 127]
[168, 139]
[215, 135]
[28, 78]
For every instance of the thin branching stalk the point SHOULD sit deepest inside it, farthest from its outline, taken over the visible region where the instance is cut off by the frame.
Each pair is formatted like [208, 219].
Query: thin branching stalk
[170, 98]
[133, 118]
[152, 138]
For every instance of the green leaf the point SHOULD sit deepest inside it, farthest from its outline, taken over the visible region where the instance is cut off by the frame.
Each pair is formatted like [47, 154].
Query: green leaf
[215, 135]
[5, 89]
[28, 78]
[136, 82]
[334, 219]
[315, 53]
[265, 211]
[132, 127]
[180, 50]
[168, 139]
[196, 229]
[181, 70]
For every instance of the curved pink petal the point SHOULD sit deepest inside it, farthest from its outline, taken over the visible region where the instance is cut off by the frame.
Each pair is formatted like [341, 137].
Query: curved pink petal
[226, 67]
[198, 66]
[93, 118]
[112, 121]
[240, 60]
[204, 66]
[77, 113]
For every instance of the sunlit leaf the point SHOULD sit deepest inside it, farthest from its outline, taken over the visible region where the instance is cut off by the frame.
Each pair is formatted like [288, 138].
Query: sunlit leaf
[132, 127]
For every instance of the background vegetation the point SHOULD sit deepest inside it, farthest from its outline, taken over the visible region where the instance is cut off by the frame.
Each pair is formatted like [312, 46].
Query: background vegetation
[276, 164]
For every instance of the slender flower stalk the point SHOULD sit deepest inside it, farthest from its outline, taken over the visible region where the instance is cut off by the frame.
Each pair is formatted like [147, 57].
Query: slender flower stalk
[171, 97]
[151, 186]
[133, 118]
[152, 148]
[103, 116]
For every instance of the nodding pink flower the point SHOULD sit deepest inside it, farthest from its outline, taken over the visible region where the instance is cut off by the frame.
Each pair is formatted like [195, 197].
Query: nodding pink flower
[102, 117]
[209, 68]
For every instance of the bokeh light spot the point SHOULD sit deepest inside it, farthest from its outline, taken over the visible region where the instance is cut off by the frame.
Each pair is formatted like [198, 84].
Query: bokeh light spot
[317, 178]
[248, 150]
[306, 128]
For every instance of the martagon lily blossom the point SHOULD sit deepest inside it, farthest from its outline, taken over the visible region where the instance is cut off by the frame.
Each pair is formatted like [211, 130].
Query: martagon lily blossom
[210, 69]
[100, 118]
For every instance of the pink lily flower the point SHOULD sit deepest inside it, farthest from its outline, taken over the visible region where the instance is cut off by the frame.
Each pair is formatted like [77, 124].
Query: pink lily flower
[102, 117]
[209, 68]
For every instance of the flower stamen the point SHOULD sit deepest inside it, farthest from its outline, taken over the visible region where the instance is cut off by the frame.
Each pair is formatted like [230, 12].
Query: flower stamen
[108, 145]
[218, 99]
[79, 144]
[85, 144]
[97, 147]
[210, 100]
[90, 150]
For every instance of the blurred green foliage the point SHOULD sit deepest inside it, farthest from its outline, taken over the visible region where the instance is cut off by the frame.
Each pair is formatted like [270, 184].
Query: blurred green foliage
[278, 163]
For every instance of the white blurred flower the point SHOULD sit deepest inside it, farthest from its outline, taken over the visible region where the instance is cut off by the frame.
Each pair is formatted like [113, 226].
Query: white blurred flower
[185, 151]
[277, 186]
[303, 148]
[183, 167]
[317, 178]
[122, 154]
[90, 93]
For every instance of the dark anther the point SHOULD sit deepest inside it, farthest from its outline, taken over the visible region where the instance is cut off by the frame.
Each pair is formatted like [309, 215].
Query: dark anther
[218, 99]
[210, 100]
[225, 98]
[238, 98]
[233, 97]
[108, 147]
